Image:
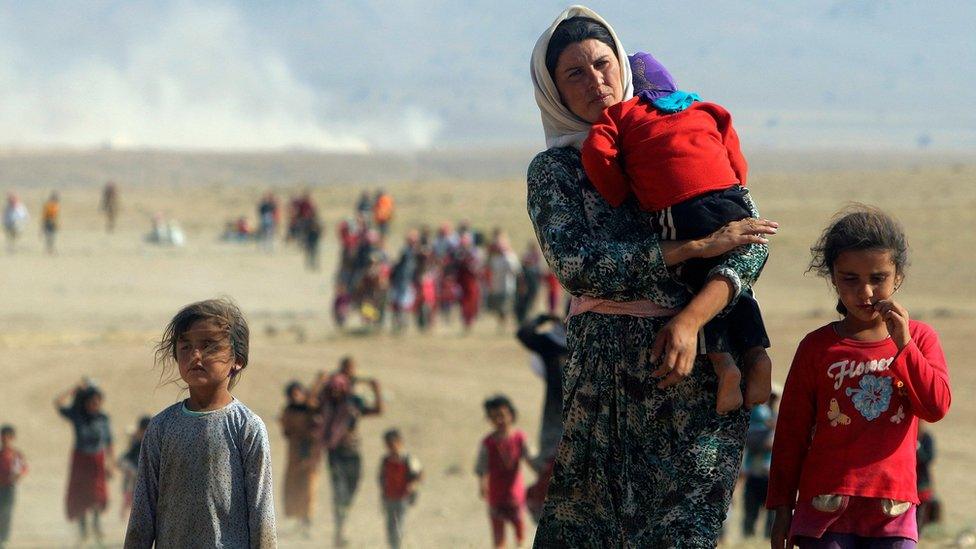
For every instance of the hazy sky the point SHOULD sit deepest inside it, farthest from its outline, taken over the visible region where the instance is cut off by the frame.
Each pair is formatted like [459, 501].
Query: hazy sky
[365, 75]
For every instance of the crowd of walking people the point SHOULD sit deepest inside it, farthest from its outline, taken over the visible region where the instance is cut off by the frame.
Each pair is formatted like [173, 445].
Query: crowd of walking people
[455, 272]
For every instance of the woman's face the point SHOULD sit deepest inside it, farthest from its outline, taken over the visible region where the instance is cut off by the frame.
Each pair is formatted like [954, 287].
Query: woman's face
[587, 76]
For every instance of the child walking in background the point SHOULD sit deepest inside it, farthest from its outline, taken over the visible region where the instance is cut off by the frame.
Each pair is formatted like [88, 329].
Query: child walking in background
[399, 475]
[129, 465]
[499, 473]
[205, 465]
[302, 473]
[13, 467]
[92, 458]
[49, 220]
[843, 466]
[680, 158]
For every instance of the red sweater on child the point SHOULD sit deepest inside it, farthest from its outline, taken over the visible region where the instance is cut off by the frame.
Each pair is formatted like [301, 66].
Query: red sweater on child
[848, 420]
[663, 158]
[12, 466]
[500, 459]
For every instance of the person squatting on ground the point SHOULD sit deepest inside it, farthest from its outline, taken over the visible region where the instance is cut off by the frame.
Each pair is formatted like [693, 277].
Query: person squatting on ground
[204, 475]
[680, 158]
[13, 467]
[843, 467]
[340, 408]
[91, 460]
[400, 473]
[500, 456]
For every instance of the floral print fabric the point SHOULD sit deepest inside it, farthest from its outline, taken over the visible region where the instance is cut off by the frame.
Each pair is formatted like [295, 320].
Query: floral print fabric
[637, 466]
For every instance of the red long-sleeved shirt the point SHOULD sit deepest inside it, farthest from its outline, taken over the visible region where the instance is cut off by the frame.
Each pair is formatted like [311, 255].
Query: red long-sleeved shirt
[662, 158]
[860, 401]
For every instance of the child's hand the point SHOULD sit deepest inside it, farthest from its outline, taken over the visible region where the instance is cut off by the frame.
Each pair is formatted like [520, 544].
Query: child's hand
[896, 320]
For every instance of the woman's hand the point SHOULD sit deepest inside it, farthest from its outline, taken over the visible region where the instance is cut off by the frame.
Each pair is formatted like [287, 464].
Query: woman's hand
[779, 535]
[735, 234]
[896, 320]
[676, 345]
[677, 342]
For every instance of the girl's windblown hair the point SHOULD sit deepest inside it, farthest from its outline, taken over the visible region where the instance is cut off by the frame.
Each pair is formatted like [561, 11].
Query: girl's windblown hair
[859, 227]
[224, 313]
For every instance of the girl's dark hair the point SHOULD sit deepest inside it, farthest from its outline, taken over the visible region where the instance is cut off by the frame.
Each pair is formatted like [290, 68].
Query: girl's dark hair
[391, 435]
[292, 385]
[571, 31]
[222, 311]
[144, 422]
[500, 401]
[80, 402]
[859, 227]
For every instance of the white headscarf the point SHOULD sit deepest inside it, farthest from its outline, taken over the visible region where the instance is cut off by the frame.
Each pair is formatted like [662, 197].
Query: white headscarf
[563, 128]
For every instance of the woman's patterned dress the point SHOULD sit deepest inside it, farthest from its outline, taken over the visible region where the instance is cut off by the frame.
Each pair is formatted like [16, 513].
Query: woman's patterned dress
[637, 466]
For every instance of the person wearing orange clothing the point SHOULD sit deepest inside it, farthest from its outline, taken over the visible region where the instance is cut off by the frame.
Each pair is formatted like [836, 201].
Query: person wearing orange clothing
[383, 211]
[49, 220]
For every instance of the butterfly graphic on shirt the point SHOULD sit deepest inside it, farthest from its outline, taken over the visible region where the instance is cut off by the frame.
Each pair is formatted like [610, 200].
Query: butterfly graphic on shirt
[835, 416]
[899, 415]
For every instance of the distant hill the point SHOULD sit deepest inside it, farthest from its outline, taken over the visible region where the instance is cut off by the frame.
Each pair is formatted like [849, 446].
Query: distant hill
[68, 168]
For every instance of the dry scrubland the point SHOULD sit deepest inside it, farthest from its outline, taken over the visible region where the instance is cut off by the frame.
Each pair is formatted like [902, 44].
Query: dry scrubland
[96, 308]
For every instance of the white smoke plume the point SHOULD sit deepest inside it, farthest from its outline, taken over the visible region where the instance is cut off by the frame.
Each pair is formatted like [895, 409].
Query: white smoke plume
[191, 77]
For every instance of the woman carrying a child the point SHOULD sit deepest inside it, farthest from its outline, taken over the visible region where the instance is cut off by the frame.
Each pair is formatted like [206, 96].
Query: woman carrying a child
[645, 460]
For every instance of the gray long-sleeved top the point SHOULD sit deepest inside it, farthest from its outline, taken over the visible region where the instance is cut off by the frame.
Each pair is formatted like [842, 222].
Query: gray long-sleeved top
[204, 481]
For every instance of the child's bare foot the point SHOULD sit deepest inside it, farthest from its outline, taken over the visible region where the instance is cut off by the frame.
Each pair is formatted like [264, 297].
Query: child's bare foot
[759, 374]
[729, 396]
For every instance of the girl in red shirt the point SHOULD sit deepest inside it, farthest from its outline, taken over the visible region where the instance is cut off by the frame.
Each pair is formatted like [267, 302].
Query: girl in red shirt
[843, 466]
[500, 456]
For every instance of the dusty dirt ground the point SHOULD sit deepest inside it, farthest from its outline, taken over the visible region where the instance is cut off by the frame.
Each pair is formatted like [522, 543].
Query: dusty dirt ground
[96, 308]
